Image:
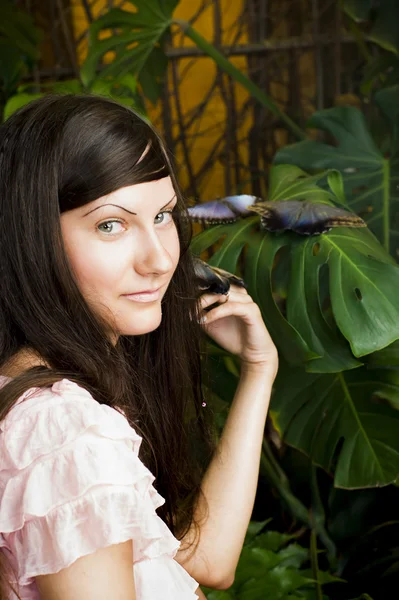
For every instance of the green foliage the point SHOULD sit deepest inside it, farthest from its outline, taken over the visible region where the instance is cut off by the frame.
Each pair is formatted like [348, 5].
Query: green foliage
[383, 18]
[324, 412]
[329, 301]
[18, 29]
[19, 40]
[370, 172]
[123, 89]
[138, 44]
[272, 565]
[138, 47]
[381, 70]
[334, 419]
[363, 315]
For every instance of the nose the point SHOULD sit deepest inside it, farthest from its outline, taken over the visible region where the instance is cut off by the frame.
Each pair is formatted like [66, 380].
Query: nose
[153, 257]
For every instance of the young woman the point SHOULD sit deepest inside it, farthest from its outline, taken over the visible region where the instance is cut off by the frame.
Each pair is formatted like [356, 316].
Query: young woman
[111, 486]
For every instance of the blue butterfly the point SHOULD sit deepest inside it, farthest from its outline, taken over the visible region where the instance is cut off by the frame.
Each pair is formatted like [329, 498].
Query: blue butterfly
[300, 216]
[305, 218]
[225, 210]
[214, 280]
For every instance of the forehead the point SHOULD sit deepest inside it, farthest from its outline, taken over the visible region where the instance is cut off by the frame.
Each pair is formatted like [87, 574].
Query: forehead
[148, 193]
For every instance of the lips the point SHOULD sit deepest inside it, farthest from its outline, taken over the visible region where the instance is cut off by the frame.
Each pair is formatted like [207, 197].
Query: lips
[145, 296]
[142, 292]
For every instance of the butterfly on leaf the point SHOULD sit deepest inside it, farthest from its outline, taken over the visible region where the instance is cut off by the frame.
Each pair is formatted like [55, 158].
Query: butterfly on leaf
[214, 280]
[305, 218]
[300, 216]
[225, 210]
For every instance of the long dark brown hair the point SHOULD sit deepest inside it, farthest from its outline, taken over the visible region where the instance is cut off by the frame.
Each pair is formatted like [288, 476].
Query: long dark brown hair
[59, 153]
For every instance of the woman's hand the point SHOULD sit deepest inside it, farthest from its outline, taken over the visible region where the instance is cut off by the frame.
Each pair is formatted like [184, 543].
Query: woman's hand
[238, 327]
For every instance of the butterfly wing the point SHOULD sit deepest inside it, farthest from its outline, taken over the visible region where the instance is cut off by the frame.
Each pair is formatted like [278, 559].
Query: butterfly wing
[211, 213]
[214, 280]
[305, 218]
[232, 278]
[320, 218]
[278, 216]
[241, 204]
[225, 210]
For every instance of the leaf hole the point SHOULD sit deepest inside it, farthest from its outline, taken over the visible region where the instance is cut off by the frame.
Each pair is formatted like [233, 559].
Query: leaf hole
[330, 139]
[316, 249]
[358, 294]
[360, 188]
[324, 296]
[280, 277]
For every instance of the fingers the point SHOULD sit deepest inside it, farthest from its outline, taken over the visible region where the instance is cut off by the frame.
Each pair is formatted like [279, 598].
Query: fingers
[235, 294]
[238, 302]
[248, 311]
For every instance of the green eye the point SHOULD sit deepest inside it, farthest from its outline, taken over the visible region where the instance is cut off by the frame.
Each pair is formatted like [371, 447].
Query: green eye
[109, 227]
[162, 214]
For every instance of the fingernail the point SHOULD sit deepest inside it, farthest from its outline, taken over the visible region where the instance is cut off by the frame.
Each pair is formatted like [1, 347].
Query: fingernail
[202, 320]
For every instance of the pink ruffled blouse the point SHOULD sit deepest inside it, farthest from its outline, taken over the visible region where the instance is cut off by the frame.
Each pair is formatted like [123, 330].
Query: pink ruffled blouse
[71, 482]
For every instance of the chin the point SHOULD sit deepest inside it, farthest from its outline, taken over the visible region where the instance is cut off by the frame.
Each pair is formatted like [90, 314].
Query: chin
[141, 324]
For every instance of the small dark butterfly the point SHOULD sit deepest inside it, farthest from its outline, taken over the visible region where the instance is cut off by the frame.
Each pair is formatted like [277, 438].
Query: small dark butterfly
[225, 210]
[214, 280]
[305, 218]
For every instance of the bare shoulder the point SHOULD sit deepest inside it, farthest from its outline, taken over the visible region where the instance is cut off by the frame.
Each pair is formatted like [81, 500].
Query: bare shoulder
[104, 574]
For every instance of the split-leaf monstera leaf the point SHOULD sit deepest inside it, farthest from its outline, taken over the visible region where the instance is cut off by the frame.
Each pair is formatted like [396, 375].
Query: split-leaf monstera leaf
[138, 45]
[340, 288]
[340, 309]
[370, 170]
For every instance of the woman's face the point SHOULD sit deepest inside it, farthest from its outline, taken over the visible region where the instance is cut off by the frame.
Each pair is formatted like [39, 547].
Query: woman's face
[124, 249]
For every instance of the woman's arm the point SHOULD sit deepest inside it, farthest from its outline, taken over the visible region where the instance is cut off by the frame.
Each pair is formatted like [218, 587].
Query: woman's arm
[200, 594]
[103, 575]
[230, 482]
[229, 486]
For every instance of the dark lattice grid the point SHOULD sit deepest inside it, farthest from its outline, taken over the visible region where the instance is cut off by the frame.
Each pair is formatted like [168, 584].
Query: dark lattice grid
[298, 51]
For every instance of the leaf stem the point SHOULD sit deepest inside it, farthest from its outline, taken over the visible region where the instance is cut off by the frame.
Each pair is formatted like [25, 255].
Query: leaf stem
[315, 566]
[386, 171]
[318, 517]
[237, 75]
[276, 476]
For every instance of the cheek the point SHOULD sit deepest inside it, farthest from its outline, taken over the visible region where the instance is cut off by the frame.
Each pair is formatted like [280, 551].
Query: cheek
[94, 266]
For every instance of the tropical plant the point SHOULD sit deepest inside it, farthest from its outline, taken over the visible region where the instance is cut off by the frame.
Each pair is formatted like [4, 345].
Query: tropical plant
[377, 23]
[329, 301]
[138, 45]
[122, 88]
[274, 565]
[341, 305]
[19, 52]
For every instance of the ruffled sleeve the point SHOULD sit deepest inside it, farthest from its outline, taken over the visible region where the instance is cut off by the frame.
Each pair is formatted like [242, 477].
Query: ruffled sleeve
[71, 482]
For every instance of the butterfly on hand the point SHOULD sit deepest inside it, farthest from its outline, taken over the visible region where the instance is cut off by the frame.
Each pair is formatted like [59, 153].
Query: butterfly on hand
[213, 280]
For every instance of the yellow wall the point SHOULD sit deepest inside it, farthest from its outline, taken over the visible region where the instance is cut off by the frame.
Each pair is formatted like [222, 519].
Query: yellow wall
[199, 77]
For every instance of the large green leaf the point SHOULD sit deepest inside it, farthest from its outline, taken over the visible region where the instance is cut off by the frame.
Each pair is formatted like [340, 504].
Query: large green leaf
[18, 101]
[137, 43]
[337, 422]
[358, 10]
[371, 177]
[236, 238]
[360, 287]
[384, 16]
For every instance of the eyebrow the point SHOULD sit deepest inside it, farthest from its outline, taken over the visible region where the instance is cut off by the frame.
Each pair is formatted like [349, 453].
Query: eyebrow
[123, 208]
